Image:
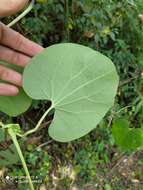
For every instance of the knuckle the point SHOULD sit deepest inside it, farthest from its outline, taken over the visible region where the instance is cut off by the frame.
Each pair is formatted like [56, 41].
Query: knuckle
[14, 58]
[18, 41]
[4, 73]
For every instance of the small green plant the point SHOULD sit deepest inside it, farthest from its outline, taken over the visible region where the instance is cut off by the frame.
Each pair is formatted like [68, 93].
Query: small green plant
[127, 138]
[12, 131]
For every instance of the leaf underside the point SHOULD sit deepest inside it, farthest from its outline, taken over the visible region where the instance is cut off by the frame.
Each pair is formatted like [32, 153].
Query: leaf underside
[14, 106]
[81, 84]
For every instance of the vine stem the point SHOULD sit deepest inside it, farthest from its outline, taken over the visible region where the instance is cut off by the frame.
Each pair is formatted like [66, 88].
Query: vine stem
[15, 141]
[1, 124]
[38, 124]
[67, 19]
[29, 8]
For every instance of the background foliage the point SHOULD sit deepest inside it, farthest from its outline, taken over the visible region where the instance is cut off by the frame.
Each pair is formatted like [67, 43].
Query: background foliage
[113, 28]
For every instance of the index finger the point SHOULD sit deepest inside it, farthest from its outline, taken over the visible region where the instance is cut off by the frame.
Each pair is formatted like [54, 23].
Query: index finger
[16, 41]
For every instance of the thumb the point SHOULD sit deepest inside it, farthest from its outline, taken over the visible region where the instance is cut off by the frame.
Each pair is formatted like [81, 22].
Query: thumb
[9, 7]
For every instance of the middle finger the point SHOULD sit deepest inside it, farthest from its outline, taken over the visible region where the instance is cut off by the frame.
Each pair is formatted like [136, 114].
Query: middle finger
[14, 57]
[10, 76]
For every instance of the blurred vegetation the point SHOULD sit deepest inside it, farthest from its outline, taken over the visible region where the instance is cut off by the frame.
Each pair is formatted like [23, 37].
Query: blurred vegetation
[114, 28]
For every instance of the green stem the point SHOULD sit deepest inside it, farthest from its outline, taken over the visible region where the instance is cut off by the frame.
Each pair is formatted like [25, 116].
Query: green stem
[15, 141]
[67, 19]
[38, 124]
[29, 8]
[1, 124]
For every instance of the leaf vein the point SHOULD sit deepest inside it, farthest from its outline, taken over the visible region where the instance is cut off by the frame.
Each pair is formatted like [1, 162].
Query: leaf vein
[82, 86]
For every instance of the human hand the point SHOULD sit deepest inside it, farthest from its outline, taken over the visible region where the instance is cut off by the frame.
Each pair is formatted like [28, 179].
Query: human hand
[14, 49]
[9, 7]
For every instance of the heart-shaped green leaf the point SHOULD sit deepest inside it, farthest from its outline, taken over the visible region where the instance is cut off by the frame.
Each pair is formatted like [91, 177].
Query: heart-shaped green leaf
[80, 82]
[125, 137]
[14, 106]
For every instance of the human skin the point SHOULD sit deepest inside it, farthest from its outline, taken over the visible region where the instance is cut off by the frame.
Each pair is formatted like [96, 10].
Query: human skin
[14, 49]
[9, 7]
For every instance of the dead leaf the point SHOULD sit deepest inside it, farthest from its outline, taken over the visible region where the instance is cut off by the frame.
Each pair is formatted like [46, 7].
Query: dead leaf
[88, 34]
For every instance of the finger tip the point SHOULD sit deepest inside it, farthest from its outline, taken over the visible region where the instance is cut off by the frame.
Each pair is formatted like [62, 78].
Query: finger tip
[8, 90]
[38, 49]
[13, 91]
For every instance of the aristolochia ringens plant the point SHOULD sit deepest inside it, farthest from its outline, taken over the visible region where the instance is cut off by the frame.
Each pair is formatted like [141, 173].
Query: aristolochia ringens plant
[79, 82]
